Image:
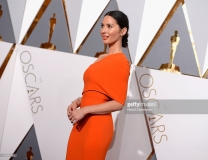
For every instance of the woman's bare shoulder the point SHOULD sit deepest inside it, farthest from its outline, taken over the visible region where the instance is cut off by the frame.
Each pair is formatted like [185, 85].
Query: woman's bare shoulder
[102, 55]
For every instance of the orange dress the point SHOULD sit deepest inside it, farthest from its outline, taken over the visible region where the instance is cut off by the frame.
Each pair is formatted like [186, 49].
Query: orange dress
[104, 81]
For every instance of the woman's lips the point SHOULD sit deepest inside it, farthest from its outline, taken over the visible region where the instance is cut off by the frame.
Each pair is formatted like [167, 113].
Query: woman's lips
[105, 37]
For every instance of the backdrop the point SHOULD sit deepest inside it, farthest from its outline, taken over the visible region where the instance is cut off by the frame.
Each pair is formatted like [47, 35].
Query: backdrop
[37, 84]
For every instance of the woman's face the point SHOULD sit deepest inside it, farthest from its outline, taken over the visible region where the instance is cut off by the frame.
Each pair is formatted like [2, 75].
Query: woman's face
[110, 31]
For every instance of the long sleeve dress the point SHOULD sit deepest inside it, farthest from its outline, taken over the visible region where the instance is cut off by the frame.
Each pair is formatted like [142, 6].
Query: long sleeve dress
[104, 81]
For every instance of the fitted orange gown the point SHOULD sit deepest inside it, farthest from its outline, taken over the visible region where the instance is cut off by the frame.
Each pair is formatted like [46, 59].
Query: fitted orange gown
[104, 80]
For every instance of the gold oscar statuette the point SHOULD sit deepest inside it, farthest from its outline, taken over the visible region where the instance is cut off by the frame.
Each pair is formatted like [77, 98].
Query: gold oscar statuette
[205, 74]
[1, 13]
[52, 24]
[171, 67]
[29, 154]
[100, 53]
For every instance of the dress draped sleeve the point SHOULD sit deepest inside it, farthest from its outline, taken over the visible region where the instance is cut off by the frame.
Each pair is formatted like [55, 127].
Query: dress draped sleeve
[109, 76]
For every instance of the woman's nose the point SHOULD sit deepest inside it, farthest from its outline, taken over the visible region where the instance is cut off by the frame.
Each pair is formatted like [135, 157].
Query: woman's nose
[103, 30]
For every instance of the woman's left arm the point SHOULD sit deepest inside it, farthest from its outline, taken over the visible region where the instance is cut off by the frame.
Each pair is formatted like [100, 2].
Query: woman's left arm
[103, 108]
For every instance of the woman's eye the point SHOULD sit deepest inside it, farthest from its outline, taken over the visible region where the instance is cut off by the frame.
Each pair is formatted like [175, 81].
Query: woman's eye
[102, 25]
[109, 26]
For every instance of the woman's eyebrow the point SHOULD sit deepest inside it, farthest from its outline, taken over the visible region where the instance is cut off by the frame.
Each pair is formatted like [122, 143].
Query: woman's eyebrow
[110, 24]
[107, 24]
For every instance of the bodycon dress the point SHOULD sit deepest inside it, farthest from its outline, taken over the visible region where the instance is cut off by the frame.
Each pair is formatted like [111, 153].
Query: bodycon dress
[104, 81]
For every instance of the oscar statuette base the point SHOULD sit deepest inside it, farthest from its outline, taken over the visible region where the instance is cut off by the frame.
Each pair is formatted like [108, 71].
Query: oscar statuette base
[173, 69]
[48, 45]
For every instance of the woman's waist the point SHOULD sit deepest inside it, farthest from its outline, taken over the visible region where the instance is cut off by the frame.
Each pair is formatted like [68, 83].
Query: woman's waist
[93, 97]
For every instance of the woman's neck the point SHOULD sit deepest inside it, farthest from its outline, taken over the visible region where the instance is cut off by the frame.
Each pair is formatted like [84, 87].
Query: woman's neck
[114, 48]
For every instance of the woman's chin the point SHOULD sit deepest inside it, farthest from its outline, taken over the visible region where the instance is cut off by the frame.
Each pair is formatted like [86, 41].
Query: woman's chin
[106, 43]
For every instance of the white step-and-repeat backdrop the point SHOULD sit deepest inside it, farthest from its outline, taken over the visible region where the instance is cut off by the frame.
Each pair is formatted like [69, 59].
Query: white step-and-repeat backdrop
[37, 85]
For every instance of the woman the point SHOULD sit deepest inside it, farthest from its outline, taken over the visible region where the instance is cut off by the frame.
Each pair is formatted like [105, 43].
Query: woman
[105, 89]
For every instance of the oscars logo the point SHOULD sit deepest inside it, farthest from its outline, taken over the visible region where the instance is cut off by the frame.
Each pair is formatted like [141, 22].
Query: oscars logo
[1, 13]
[52, 24]
[171, 67]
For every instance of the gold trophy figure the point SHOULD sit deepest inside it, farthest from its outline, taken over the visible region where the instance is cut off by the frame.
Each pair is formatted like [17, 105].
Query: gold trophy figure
[1, 13]
[174, 43]
[52, 24]
[29, 154]
[171, 67]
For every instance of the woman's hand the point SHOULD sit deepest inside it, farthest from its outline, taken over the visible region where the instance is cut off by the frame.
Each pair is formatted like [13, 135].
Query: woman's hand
[71, 107]
[77, 115]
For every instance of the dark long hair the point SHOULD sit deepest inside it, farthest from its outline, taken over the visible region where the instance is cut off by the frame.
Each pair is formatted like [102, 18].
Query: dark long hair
[122, 21]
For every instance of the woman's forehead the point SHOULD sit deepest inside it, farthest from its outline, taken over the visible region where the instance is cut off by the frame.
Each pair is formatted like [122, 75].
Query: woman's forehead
[109, 19]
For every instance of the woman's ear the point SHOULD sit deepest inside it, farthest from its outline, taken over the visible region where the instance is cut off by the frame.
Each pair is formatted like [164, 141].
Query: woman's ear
[123, 31]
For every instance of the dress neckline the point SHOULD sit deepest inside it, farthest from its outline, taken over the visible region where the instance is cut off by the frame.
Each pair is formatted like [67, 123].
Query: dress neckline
[108, 56]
